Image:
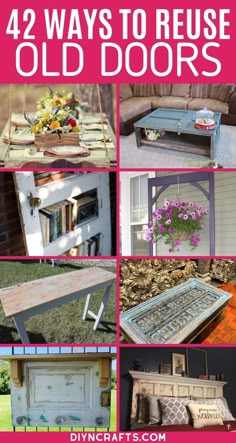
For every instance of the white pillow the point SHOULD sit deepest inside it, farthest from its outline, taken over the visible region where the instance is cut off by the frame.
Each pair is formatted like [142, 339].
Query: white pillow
[221, 404]
[205, 415]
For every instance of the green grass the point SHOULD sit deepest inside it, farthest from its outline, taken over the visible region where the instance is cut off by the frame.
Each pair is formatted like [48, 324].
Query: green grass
[59, 325]
[5, 416]
[5, 413]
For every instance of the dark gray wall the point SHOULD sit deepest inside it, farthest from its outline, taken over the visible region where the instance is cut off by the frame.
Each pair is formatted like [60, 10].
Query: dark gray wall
[220, 360]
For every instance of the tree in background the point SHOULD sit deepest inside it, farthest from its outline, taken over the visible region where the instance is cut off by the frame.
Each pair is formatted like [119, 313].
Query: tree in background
[89, 94]
[4, 379]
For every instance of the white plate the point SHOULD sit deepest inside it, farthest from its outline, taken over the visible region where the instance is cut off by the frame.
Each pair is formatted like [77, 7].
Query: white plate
[205, 121]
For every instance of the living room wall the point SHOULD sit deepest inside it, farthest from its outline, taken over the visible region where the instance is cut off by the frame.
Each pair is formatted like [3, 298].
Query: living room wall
[220, 361]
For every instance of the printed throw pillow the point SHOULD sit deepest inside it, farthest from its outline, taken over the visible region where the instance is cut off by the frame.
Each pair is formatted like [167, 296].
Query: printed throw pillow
[221, 404]
[205, 415]
[174, 411]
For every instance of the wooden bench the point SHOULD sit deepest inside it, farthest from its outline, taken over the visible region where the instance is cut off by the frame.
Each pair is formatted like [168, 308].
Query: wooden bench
[25, 300]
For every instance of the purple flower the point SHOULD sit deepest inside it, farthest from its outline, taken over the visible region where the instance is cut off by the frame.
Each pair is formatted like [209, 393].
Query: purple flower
[180, 215]
[207, 211]
[168, 222]
[170, 250]
[166, 204]
[191, 204]
[170, 214]
[200, 207]
[185, 217]
[170, 230]
[161, 228]
[158, 217]
[177, 242]
[176, 203]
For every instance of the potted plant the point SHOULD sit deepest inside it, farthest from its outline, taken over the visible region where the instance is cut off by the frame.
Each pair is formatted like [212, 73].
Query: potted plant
[177, 221]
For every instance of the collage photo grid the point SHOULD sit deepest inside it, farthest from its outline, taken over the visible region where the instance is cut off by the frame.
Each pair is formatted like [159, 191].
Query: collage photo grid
[117, 258]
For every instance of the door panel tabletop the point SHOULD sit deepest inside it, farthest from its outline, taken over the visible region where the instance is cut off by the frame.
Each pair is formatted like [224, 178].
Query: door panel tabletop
[25, 296]
[174, 315]
[167, 119]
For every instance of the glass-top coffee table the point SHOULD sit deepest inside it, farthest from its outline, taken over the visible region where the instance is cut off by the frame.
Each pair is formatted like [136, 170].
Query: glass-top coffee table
[179, 131]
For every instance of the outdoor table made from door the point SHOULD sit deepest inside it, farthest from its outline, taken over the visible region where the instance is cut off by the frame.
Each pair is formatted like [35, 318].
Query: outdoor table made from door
[25, 300]
[180, 132]
[175, 316]
[102, 155]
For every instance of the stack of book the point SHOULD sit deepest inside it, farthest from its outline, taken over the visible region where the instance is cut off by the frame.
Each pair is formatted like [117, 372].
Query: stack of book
[58, 219]
[91, 247]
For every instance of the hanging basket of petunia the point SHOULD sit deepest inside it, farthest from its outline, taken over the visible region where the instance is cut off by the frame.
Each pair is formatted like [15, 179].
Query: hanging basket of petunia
[176, 222]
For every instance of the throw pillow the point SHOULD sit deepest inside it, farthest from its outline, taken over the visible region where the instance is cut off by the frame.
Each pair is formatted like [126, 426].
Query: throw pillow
[200, 91]
[205, 415]
[125, 92]
[154, 409]
[149, 409]
[180, 90]
[174, 411]
[221, 404]
[222, 92]
[144, 90]
[164, 89]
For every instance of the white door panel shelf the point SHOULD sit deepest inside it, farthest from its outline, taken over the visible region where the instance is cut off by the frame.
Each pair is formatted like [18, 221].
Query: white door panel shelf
[55, 192]
[61, 390]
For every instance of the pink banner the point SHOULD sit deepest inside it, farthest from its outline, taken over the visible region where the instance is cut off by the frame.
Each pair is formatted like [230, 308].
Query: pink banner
[125, 437]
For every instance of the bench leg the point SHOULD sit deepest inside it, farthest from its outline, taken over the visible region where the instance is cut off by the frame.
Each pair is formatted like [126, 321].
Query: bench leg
[88, 298]
[21, 329]
[102, 306]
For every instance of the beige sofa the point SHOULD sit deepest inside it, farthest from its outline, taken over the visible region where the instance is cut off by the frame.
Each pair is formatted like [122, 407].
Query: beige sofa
[138, 100]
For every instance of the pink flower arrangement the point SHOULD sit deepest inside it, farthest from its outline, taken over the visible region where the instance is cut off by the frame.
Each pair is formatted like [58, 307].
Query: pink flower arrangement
[177, 220]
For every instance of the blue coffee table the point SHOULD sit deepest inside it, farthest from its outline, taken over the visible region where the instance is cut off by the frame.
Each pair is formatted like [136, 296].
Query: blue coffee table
[180, 133]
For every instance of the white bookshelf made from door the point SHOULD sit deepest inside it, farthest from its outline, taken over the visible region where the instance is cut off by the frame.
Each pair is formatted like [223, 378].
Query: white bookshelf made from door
[33, 199]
